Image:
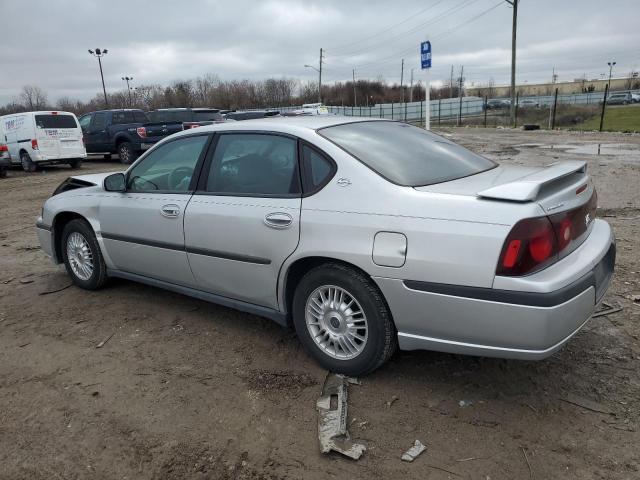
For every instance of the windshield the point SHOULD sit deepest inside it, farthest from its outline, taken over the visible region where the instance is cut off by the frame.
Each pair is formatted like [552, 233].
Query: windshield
[404, 154]
[56, 121]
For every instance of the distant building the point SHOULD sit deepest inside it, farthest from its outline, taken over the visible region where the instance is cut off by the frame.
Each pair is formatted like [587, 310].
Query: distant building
[579, 85]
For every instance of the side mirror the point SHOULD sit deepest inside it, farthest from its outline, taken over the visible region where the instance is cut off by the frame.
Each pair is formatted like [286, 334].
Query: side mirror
[115, 183]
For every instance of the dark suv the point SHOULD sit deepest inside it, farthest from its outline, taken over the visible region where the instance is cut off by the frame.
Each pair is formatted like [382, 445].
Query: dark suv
[190, 117]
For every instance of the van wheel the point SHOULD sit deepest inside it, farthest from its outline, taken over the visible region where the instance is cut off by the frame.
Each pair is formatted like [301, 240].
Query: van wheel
[82, 256]
[27, 163]
[342, 320]
[3, 172]
[75, 163]
[126, 153]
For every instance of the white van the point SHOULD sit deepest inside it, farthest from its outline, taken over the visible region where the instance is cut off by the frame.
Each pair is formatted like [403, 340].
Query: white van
[36, 138]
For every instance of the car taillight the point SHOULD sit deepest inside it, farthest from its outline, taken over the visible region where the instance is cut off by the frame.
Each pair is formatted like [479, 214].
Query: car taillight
[4, 148]
[34, 144]
[142, 132]
[535, 243]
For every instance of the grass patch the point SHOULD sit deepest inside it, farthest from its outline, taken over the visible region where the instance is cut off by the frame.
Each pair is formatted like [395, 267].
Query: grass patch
[616, 119]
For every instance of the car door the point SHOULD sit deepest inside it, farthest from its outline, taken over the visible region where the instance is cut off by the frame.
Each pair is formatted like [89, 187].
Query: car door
[96, 137]
[244, 220]
[142, 228]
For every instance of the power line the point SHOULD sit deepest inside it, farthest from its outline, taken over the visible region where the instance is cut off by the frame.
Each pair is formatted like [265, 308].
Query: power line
[411, 17]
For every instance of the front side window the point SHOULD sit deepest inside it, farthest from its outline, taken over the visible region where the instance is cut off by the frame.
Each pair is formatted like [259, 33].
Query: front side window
[404, 154]
[169, 167]
[85, 121]
[254, 164]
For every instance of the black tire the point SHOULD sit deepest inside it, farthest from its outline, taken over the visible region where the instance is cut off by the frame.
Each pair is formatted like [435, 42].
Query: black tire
[3, 172]
[27, 163]
[381, 342]
[98, 275]
[126, 153]
[75, 163]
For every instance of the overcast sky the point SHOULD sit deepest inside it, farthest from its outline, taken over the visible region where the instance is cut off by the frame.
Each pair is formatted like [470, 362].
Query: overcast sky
[155, 41]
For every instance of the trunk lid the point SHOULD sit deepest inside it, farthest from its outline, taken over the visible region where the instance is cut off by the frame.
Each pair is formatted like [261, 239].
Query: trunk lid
[557, 187]
[162, 129]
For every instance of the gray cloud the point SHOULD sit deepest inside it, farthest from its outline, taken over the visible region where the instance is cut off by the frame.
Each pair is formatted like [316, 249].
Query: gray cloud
[161, 41]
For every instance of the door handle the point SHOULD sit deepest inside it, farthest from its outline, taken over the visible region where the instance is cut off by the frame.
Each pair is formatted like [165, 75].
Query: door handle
[278, 220]
[170, 211]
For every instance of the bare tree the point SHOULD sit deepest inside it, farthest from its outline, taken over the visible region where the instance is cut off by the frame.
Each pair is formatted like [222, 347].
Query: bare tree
[33, 97]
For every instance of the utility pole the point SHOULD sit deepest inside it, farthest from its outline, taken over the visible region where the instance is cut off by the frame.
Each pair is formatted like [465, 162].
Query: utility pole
[402, 80]
[460, 94]
[611, 64]
[128, 79]
[411, 87]
[514, 4]
[451, 83]
[355, 99]
[99, 53]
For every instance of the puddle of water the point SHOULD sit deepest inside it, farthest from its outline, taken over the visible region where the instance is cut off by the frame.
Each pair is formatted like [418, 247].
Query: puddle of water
[588, 148]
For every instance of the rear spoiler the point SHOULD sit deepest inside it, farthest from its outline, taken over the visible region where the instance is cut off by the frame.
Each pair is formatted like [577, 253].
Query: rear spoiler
[527, 188]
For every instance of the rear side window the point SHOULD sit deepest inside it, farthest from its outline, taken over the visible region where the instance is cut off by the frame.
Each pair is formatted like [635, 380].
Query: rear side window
[99, 121]
[56, 121]
[254, 164]
[318, 169]
[404, 154]
[120, 118]
[140, 117]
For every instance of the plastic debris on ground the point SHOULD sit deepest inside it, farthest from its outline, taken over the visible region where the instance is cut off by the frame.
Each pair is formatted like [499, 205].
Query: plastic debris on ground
[411, 454]
[332, 418]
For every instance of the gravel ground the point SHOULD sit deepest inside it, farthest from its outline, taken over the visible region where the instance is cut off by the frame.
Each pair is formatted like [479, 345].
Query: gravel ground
[183, 389]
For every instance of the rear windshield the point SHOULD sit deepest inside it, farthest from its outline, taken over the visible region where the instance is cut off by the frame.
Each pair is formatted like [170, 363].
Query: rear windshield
[56, 121]
[170, 116]
[203, 116]
[404, 154]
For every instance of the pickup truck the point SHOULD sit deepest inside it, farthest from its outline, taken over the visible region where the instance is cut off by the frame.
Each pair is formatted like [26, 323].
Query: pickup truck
[126, 132]
[190, 117]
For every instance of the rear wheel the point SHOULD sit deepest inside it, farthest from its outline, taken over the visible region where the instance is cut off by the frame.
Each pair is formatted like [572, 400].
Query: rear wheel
[75, 163]
[81, 255]
[126, 153]
[342, 320]
[27, 163]
[3, 172]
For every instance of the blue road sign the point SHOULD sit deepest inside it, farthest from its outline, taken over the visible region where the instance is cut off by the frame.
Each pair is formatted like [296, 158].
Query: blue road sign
[425, 54]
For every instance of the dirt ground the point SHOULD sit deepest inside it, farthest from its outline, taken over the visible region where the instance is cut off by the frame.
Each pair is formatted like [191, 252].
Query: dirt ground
[184, 389]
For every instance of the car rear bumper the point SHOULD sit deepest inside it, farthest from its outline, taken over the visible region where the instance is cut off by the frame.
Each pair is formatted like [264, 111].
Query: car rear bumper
[496, 322]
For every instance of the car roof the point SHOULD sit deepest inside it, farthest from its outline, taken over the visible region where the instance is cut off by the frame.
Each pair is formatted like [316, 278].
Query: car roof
[285, 124]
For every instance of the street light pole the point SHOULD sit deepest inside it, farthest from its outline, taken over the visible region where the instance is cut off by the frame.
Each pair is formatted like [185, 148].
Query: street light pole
[99, 53]
[611, 64]
[514, 4]
[127, 79]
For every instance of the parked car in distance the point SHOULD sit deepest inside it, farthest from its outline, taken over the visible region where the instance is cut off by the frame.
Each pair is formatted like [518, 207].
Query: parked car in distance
[43, 138]
[529, 103]
[127, 132]
[498, 103]
[5, 160]
[623, 98]
[364, 235]
[251, 114]
[190, 117]
[635, 97]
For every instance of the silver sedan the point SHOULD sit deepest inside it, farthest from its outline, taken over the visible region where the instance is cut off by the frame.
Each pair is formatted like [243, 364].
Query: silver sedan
[364, 235]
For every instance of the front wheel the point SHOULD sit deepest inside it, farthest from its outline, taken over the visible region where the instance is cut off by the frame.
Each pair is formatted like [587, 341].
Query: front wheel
[81, 255]
[342, 320]
[126, 153]
[27, 163]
